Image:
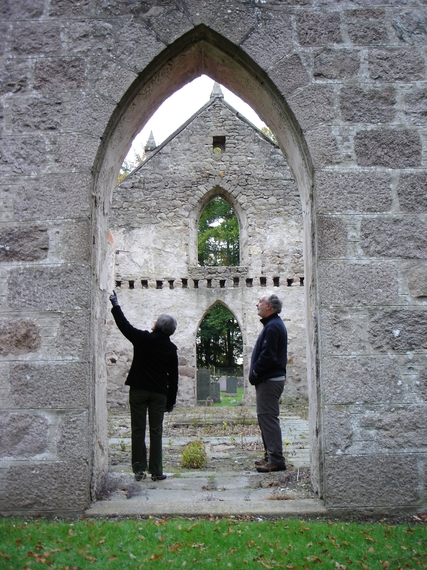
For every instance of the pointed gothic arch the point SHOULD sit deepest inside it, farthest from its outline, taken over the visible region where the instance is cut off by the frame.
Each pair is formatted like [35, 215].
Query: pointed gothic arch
[199, 51]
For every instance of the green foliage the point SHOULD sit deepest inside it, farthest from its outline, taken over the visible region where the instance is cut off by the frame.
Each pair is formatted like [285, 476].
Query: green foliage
[269, 133]
[209, 543]
[218, 241]
[219, 340]
[194, 455]
[130, 164]
[230, 400]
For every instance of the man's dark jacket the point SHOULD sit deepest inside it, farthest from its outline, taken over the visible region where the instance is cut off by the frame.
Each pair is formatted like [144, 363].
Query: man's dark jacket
[155, 360]
[270, 354]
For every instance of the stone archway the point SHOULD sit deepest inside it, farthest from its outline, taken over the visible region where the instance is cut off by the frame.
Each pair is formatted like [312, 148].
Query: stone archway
[199, 51]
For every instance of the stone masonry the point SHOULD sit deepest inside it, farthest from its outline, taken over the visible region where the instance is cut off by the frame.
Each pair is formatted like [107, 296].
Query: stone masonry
[342, 84]
[153, 227]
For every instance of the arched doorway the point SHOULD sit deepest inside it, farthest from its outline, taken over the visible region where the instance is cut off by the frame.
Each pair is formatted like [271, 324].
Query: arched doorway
[199, 51]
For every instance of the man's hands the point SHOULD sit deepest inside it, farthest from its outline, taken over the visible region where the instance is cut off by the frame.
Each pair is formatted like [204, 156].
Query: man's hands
[114, 300]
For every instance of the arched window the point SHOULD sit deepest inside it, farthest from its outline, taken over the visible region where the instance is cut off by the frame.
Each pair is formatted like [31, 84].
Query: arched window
[218, 236]
[219, 341]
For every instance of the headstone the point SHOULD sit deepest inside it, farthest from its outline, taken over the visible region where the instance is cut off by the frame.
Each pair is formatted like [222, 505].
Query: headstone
[203, 384]
[231, 385]
[223, 383]
[215, 392]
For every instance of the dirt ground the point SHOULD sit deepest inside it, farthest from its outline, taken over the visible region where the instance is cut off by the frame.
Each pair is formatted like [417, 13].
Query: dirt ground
[232, 442]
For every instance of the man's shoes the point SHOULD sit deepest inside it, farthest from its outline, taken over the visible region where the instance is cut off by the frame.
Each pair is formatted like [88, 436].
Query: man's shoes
[158, 477]
[270, 467]
[260, 462]
[140, 476]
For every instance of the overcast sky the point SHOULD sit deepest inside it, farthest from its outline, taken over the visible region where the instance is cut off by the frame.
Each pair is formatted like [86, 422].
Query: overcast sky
[181, 106]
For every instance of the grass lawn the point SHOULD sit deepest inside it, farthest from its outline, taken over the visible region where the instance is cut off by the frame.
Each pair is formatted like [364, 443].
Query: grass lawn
[209, 543]
[235, 400]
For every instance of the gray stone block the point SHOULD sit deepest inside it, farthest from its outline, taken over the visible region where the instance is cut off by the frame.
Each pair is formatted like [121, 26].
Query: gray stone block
[73, 437]
[399, 330]
[371, 481]
[394, 237]
[353, 192]
[22, 9]
[22, 155]
[417, 282]
[49, 385]
[362, 380]
[331, 237]
[234, 23]
[368, 105]
[73, 336]
[60, 8]
[337, 430]
[35, 114]
[399, 428]
[323, 146]
[359, 284]
[388, 147]
[343, 333]
[415, 105]
[14, 77]
[396, 64]
[410, 26]
[88, 113]
[85, 37]
[412, 192]
[366, 27]
[51, 288]
[19, 336]
[23, 434]
[71, 242]
[280, 33]
[44, 487]
[289, 74]
[23, 243]
[336, 64]
[319, 28]
[73, 151]
[136, 46]
[36, 38]
[421, 385]
[314, 105]
[55, 74]
[49, 197]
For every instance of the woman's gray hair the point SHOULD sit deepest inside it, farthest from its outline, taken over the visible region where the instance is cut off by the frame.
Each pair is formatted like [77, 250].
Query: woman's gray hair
[166, 324]
[273, 300]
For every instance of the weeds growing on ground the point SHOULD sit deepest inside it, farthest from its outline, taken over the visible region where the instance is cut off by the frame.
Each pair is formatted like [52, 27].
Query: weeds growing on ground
[194, 455]
[213, 543]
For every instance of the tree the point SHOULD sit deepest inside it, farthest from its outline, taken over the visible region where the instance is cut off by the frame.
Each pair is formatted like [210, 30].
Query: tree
[219, 340]
[130, 164]
[269, 133]
[218, 241]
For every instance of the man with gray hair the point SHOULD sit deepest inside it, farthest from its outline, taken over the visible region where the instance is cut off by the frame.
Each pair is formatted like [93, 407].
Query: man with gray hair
[153, 382]
[268, 375]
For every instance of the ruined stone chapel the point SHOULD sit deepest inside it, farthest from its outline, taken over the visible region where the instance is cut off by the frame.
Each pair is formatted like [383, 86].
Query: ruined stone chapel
[343, 86]
[154, 232]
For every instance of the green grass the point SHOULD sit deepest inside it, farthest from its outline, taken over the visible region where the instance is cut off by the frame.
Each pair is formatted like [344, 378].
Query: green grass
[230, 400]
[209, 543]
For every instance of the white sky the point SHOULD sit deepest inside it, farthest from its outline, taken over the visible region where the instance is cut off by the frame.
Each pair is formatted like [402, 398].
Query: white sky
[181, 106]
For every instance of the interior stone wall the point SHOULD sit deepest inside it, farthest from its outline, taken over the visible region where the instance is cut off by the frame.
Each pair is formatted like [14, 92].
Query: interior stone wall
[343, 86]
[153, 229]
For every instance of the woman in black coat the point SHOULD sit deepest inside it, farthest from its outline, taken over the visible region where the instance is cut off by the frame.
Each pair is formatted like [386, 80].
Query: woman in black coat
[153, 382]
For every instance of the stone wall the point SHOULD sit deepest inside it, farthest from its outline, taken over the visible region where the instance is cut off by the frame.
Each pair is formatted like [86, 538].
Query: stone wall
[154, 221]
[343, 87]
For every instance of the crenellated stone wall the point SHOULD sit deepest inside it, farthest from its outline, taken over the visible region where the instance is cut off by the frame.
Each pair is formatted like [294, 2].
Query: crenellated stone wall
[343, 87]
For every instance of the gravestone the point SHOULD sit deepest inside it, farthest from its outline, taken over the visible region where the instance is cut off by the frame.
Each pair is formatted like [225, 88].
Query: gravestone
[203, 384]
